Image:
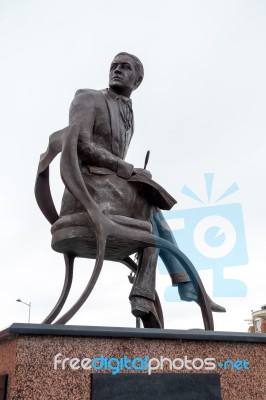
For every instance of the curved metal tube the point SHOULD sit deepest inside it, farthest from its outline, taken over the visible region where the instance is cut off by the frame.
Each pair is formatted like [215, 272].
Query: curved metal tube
[101, 243]
[69, 264]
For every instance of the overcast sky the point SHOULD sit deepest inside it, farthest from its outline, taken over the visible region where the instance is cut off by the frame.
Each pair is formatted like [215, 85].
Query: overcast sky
[200, 109]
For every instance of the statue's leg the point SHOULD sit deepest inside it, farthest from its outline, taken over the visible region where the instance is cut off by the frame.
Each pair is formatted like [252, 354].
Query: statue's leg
[142, 295]
[174, 267]
[134, 267]
[187, 291]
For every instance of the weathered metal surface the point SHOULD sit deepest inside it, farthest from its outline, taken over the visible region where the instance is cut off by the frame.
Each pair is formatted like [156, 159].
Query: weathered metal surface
[109, 206]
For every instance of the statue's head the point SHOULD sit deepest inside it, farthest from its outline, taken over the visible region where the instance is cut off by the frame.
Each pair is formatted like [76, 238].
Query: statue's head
[126, 73]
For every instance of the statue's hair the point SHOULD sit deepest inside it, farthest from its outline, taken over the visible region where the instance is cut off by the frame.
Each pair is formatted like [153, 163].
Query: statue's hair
[137, 63]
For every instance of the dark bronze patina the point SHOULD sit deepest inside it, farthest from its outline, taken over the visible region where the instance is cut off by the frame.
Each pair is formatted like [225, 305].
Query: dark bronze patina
[110, 209]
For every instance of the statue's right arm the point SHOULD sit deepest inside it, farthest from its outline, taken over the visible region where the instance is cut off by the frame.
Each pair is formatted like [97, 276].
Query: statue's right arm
[83, 114]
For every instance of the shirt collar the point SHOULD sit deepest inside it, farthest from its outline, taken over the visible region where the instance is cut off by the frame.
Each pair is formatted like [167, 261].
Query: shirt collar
[116, 96]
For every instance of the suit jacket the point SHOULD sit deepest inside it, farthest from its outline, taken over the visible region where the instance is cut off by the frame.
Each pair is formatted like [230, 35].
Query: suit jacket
[102, 145]
[103, 139]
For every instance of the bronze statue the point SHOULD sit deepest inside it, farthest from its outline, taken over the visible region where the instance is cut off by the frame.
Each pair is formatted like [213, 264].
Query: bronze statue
[102, 187]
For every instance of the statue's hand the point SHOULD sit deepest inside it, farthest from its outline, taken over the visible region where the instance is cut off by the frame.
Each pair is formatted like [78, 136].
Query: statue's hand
[142, 171]
[124, 169]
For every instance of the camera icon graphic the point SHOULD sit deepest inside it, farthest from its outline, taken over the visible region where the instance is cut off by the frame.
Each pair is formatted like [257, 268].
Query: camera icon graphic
[213, 237]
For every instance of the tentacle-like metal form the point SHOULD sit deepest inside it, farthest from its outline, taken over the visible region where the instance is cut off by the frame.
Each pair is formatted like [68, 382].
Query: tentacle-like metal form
[133, 267]
[101, 243]
[42, 184]
[69, 264]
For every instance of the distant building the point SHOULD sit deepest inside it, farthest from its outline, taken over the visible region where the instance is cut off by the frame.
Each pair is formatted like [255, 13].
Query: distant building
[258, 321]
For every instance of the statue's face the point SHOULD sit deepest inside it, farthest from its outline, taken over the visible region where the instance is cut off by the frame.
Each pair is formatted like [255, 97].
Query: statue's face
[122, 76]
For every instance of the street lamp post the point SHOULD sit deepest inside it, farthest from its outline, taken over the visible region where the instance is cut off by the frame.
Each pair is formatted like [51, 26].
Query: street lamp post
[27, 304]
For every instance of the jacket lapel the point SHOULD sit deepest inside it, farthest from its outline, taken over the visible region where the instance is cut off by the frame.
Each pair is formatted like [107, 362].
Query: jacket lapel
[114, 118]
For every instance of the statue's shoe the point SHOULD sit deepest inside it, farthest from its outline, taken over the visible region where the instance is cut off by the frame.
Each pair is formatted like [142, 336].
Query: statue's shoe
[187, 293]
[145, 309]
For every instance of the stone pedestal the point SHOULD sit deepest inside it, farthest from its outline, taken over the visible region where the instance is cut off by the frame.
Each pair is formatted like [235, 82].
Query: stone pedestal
[27, 356]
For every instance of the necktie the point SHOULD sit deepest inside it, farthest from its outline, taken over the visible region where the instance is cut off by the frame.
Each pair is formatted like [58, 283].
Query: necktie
[126, 113]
